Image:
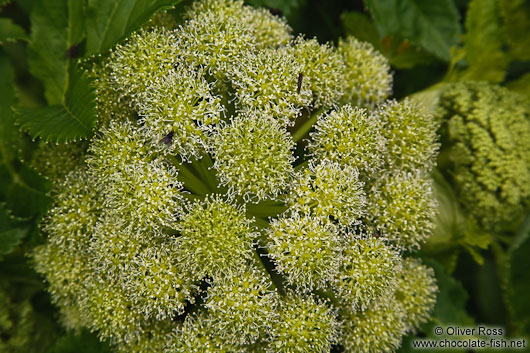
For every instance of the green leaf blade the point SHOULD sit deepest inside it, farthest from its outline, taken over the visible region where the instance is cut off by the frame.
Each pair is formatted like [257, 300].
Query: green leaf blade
[69, 121]
[431, 25]
[10, 31]
[108, 22]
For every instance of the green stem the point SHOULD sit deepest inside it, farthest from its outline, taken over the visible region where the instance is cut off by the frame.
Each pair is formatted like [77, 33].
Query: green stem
[190, 180]
[307, 125]
[266, 209]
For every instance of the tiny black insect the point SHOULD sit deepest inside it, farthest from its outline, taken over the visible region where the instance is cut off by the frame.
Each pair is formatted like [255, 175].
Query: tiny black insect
[276, 12]
[74, 51]
[168, 138]
[300, 78]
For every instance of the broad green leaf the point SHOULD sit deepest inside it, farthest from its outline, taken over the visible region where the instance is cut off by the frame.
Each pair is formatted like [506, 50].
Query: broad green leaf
[83, 342]
[71, 120]
[516, 25]
[108, 22]
[431, 25]
[517, 285]
[10, 31]
[483, 35]
[55, 27]
[399, 52]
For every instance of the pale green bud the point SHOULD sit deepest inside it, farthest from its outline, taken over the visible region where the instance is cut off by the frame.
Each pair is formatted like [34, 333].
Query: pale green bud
[401, 208]
[254, 156]
[350, 136]
[329, 190]
[367, 273]
[367, 78]
[305, 249]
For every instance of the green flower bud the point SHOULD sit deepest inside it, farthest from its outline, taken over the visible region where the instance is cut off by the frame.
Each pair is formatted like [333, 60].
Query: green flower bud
[367, 273]
[416, 292]
[196, 336]
[303, 325]
[322, 70]
[329, 190]
[350, 136]
[178, 110]
[253, 156]
[216, 239]
[367, 79]
[136, 186]
[410, 132]
[266, 83]
[242, 310]
[305, 249]
[401, 208]
[146, 57]
[55, 161]
[374, 330]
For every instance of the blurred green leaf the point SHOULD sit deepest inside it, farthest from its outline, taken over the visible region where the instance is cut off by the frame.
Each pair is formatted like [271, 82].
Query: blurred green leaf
[68, 121]
[431, 25]
[11, 234]
[521, 85]
[454, 230]
[51, 36]
[399, 52]
[482, 50]
[23, 190]
[517, 285]
[285, 6]
[84, 342]
[516, 26]
[108, 22]
[10, 31]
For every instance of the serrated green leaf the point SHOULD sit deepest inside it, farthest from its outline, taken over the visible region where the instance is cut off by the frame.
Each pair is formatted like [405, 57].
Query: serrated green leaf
[10, 31]
[516, 26]
[71, 120]
[517, 285]
[431, 25]
[399, 52]
[483, 35]
[83, 342]
[108, 22]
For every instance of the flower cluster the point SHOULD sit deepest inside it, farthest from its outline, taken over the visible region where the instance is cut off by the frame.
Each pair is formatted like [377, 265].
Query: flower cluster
[487, 128]
[246, 191]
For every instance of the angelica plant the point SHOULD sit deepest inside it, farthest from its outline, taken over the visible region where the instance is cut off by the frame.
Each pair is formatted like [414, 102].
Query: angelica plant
[195, 221]
[487, 128]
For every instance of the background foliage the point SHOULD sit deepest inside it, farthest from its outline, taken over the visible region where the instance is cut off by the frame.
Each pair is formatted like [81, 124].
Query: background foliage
[483, 276]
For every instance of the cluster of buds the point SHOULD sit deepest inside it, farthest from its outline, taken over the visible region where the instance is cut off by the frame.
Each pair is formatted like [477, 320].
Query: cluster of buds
[246, 191]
